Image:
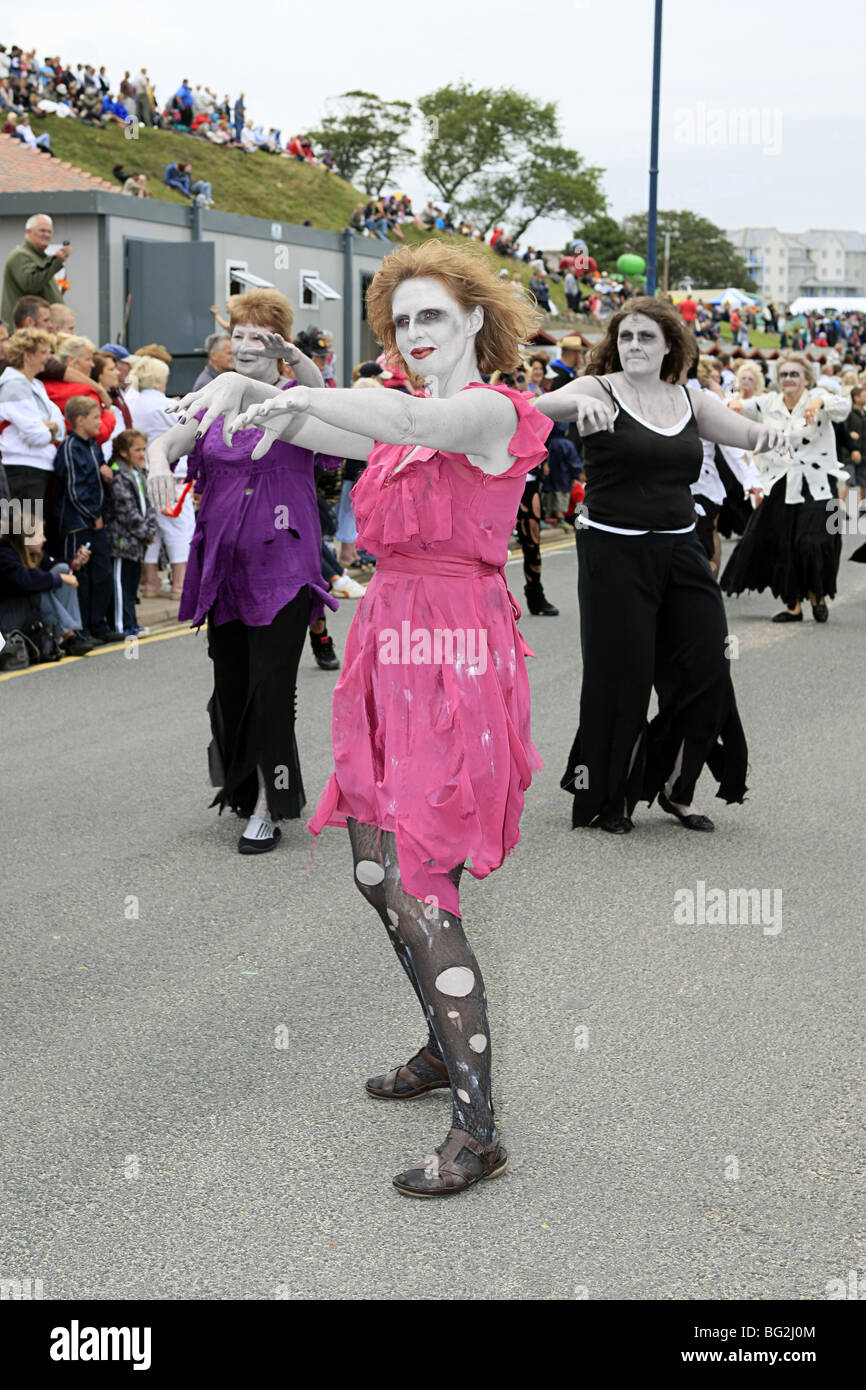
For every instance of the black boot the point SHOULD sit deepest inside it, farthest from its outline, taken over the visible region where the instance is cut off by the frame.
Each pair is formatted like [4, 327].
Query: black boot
[323, 650]
[536, 601]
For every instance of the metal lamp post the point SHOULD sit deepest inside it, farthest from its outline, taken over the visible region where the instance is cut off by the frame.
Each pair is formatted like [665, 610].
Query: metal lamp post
[652, 219]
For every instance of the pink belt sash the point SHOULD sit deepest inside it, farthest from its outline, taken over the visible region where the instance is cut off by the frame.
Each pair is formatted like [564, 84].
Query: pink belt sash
[452, 568]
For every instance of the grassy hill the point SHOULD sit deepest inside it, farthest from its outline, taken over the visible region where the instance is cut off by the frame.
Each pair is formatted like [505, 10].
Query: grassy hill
[258, 185]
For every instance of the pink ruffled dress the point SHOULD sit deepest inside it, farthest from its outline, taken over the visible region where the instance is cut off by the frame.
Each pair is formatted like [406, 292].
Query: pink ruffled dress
[430, 722]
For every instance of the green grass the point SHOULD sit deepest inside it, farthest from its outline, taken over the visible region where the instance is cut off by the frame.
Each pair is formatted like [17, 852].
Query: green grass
[756, 339]
[258, 185]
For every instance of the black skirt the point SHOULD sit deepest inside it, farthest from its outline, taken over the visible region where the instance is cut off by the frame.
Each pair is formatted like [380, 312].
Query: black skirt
[252, 711]
[786, 548]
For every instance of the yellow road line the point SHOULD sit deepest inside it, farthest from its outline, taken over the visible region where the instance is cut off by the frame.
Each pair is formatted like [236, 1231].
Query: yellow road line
[545, 550]
[113, 647]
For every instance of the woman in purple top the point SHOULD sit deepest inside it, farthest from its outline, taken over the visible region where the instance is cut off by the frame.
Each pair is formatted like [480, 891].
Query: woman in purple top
[254, 576]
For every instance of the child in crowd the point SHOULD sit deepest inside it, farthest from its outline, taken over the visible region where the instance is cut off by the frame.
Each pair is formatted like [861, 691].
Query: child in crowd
[132, 526]
[82, 504]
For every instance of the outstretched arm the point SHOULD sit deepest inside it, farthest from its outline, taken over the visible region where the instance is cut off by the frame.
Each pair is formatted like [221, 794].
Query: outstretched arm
[480, 423]
[583, 402]
[721, 425]
[231, 394]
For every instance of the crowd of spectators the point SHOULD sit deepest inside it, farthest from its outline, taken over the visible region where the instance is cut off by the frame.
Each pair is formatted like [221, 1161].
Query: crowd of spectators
[83, 92]
[836, 331]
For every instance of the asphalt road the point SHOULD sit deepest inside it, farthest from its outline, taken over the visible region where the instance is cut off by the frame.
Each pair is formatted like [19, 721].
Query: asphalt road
[682, 1103]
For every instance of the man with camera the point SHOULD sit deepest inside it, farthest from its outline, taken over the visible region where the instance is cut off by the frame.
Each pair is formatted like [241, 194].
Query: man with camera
[28, 270]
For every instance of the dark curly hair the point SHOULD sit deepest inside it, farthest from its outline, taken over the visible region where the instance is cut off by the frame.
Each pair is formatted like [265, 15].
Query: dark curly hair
[604, 357]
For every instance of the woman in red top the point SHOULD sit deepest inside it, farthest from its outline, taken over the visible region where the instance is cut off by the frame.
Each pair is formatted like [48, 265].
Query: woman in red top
[79, 353]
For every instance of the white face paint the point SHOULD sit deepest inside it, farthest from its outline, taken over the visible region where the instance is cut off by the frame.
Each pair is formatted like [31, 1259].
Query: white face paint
[792, 379]
[435, 336]
[248, 354]
[642, 347]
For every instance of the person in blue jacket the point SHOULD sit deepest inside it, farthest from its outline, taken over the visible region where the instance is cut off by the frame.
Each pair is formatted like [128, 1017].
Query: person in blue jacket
[179, 176]
[81, 503]
[184, 98]
[114, 111]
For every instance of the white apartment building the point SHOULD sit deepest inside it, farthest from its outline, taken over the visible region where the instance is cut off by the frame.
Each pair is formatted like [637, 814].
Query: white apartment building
[785, 265]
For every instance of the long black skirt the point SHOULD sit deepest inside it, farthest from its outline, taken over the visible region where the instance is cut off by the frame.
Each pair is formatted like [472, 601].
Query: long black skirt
[252, 711]
[651, 614]
[788, 549]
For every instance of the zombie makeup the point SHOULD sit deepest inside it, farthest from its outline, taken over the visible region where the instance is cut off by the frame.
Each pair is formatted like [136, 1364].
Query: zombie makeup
[435, 336]
[641, 345]
[248, 355]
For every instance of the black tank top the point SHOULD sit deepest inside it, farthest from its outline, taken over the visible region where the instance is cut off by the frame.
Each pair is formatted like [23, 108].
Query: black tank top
[639, 479]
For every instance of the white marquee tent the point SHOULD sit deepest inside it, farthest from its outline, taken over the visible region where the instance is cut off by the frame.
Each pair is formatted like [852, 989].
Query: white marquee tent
[849, 304]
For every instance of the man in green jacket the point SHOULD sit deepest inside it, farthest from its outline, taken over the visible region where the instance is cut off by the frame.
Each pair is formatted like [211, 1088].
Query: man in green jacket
[28, 270]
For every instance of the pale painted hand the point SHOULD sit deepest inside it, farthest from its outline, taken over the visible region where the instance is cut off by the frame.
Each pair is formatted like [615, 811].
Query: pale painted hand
[590, 415]
[273, 345]
[812, 411]
[161, 490]
[292, 402]
[223, 396]
[772, 441]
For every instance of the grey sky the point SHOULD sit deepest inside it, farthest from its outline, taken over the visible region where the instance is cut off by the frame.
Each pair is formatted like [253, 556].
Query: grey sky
[792, 165]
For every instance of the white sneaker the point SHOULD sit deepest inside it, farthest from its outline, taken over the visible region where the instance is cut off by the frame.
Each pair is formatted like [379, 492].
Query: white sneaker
[346, 587]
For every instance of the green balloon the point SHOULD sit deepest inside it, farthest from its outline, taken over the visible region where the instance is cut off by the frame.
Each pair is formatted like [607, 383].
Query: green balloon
[631, 265]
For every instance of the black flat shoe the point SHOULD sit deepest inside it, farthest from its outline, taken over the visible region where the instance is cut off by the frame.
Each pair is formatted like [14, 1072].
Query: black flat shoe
[77, 644]
[819, 612]
[616, 825]
[694, 822]
[786, 617]
[246, 846]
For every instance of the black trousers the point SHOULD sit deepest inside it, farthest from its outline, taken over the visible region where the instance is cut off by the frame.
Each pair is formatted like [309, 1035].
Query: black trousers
[651, 614]
[94, 578]
[252, 710]
[529, 531]
[125, 576]
[27, 483]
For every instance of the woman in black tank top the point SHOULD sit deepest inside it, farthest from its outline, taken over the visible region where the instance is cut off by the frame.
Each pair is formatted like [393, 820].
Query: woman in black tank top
[651, 613]
[640, 477]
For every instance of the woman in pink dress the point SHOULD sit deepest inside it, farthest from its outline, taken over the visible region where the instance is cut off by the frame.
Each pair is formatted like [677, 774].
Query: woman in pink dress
[431, 731]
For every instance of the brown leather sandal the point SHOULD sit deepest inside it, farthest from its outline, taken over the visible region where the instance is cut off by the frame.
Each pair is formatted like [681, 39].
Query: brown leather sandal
[450, 1169]
[383, 1086]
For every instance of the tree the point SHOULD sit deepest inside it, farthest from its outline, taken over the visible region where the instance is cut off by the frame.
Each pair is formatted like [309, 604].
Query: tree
[699, 249]
[605, 240]
[554, 182]
[366, 136]
[479, 135]
[550, 181]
